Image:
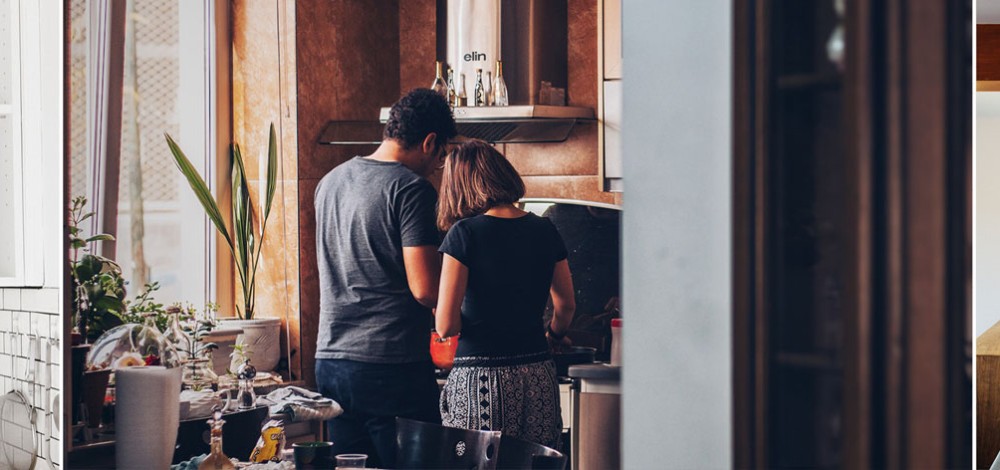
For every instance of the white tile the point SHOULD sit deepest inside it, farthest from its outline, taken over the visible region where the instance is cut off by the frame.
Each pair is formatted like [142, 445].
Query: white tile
[6, 321]
[6, 366]
[42, 376]
[40, 325]
[56, 327]
[22, 322]
[55, 377]
[12, 299]
[55, 452]
[40, 300]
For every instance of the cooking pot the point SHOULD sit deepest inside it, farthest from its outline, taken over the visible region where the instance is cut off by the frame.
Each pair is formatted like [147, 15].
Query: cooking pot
[565, 357]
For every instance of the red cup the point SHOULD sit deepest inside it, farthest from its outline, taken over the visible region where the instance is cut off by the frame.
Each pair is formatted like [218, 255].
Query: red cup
[443, 350]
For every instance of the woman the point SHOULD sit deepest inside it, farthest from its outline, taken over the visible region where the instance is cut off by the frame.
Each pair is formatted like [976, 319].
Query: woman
[500, 266]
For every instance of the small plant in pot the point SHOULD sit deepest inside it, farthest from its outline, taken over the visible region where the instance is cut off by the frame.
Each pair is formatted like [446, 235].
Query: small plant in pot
[244, 241]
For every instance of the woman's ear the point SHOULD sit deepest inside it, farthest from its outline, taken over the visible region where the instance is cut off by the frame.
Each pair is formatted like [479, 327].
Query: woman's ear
[428, 145]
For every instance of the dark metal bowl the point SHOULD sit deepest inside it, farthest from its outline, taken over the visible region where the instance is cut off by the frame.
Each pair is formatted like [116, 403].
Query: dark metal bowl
[573, 355]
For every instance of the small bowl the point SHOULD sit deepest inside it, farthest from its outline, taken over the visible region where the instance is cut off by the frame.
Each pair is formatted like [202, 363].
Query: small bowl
[313, 455]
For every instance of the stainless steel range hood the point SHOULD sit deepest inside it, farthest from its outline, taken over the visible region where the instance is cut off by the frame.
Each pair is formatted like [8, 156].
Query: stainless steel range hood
[530, 37]
[517, 123]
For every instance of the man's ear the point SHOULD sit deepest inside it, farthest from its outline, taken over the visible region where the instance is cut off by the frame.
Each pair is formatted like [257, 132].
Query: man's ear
[429, 141]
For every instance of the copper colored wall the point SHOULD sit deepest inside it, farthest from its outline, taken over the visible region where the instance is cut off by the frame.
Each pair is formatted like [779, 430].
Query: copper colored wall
[348, 66]
[263, 90]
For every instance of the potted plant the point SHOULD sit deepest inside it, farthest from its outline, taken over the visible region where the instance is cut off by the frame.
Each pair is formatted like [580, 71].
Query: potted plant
[244, 243]
[98, 303]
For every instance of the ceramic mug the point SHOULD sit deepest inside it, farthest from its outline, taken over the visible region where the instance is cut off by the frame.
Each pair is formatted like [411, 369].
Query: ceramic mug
[313, 455]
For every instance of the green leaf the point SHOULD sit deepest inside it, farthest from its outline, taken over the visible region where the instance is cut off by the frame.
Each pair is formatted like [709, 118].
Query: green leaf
[90, 266]
[109, 304]
[200, 189]
[272, 174]
[100, 237]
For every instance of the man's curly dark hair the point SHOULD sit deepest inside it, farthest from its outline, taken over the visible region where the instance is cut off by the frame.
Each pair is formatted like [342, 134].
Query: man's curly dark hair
[417, 114]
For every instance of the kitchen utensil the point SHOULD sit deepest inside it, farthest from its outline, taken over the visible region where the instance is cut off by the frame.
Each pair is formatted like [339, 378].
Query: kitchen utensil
[18, 431]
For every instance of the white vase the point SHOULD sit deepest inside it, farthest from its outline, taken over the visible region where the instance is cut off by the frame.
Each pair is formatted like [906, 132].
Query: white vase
[263, 338]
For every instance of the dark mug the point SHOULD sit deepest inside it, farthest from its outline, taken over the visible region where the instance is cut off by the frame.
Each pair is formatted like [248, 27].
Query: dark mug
[313, 455]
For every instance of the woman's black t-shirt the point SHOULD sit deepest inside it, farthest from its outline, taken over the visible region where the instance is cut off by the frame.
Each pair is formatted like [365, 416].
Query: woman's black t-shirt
[510, 265]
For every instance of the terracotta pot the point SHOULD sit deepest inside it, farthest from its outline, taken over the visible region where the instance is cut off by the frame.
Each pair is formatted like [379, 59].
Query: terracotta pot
[95, 386]
[443, 351]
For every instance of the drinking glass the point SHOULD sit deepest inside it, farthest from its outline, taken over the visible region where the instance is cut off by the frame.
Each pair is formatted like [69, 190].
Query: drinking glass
[351, 461]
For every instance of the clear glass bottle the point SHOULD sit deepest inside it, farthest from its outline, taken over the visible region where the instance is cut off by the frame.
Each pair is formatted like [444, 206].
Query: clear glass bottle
[198, 374]
[499, 87]
[439, 85]
[246, 398]
[488, 88]
[462, 97]
[452, 93]
[480, 96]
[175, 334]
[217, 459]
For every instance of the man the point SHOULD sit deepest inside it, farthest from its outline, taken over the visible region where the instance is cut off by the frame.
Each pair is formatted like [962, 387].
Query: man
[376, 246]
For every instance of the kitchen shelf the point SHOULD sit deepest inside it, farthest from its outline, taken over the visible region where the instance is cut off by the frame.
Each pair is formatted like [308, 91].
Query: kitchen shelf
[495, 131]
[352, 133]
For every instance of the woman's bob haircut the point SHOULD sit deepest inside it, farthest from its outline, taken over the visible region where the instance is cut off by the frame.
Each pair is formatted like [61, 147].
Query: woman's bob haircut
[476, 178]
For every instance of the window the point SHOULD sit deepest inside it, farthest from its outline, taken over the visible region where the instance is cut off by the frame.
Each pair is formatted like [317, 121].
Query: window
[166, 77]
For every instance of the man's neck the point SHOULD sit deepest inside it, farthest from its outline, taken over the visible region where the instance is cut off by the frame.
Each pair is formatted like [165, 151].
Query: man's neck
[390, 151]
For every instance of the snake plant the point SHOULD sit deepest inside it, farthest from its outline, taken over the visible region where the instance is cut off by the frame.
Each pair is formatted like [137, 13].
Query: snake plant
[245, 241]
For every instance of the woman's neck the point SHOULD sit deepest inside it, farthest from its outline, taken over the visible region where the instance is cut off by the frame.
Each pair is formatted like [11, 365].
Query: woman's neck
[506, 211]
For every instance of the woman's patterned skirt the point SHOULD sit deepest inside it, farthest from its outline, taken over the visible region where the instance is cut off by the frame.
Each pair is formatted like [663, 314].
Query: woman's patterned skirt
[518, 396]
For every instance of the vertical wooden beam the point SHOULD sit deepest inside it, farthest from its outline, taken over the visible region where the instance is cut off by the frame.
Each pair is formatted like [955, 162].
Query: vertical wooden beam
[857, 314]
[744, 409]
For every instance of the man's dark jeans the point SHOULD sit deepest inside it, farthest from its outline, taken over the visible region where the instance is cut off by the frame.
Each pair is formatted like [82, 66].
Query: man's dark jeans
[372, 396]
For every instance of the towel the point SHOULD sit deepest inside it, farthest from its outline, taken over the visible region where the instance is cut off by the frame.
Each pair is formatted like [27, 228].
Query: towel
[300, 404]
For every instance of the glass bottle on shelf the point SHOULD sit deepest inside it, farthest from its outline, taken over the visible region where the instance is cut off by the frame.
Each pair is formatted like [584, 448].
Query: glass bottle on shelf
[216, 460]
[452, 93]
[488, 88]
[462, 97]
[480, 96]
[499, 87]
[175, 335]
[246, 398]
[439, 85]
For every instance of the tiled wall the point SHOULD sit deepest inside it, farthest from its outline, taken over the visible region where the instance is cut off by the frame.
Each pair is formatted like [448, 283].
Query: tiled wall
[30, 317]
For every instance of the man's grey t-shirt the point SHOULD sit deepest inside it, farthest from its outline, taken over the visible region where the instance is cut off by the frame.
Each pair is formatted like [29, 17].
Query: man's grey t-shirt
[366, 212]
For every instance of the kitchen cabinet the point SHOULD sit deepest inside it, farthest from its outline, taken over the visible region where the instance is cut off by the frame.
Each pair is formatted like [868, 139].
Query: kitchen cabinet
[851, 165]
[610, 95]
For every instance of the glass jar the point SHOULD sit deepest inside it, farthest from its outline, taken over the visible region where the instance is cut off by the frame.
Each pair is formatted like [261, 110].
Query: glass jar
[198, 374]
[131, 345]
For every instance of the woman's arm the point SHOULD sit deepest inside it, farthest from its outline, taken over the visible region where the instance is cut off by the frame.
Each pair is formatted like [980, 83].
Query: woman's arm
[454, 278]
[563, 300]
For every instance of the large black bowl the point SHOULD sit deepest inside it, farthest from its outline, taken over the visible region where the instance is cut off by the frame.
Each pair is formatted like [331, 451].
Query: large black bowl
[570, 356]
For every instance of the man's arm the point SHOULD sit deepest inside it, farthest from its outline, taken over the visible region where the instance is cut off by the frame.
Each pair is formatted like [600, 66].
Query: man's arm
[423, 273]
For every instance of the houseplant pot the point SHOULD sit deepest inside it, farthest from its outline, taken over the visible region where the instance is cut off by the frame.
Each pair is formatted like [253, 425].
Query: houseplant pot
[262, 336]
